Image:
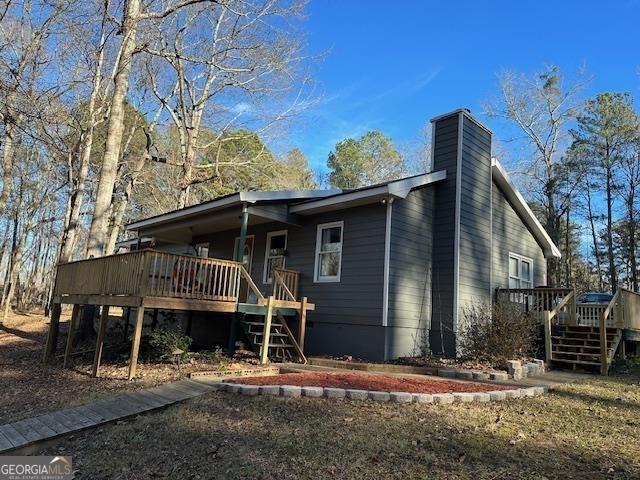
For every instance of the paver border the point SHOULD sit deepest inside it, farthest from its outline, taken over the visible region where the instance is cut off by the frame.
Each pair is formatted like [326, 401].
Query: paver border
[393, 397]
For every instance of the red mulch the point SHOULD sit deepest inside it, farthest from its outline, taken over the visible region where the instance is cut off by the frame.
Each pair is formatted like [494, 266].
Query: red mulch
[368, 381]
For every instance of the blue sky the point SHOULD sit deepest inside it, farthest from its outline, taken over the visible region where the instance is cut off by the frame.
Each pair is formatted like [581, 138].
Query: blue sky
[393, 65]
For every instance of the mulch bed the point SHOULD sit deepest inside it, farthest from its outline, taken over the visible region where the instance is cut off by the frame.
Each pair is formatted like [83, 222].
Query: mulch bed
[375, 382]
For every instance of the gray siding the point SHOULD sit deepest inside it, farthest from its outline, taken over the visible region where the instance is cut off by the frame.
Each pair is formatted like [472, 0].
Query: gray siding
[510, 234]
[441, 334]
[340, 307]
[474, 263]
[411, 252]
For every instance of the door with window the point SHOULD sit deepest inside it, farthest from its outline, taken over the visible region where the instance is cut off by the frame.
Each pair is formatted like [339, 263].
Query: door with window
[247, 261]
[275, 254]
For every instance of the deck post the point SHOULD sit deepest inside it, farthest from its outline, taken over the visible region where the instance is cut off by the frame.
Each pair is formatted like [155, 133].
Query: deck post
[266, 334]
[135, 343]
[604, 347]
[244, 225]
[104, 316]
[302, 327]
[54, 330]
[72, 331]
[573, 310]
[546, 316]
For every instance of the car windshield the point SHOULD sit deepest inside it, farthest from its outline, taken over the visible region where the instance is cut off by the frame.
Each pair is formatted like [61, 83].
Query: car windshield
[595, 298]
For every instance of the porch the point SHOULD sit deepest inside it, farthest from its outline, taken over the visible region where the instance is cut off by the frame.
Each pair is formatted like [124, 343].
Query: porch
[152, 279]
[586, 335]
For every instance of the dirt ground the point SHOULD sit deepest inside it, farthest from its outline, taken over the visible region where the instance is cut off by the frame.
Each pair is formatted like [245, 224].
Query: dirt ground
[371, 381]
[584, 431]
[29, 388]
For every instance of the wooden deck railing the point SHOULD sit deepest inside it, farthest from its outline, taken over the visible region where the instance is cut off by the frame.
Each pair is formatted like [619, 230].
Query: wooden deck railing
[284, 284]
[152, 273]
[535, 301]
[111, 275]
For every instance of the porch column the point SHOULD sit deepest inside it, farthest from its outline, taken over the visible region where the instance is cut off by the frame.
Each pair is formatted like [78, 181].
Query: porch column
[244, 223]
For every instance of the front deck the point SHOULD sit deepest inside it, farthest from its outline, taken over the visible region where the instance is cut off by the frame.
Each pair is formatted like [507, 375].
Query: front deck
[152, 279]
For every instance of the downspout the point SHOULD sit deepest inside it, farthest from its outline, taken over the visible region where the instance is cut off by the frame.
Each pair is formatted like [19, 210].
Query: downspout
[387, 261]
[244, 223]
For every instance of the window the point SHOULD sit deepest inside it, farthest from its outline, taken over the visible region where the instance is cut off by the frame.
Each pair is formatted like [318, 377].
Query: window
[274, 256]
[328, 252]
[520, 271]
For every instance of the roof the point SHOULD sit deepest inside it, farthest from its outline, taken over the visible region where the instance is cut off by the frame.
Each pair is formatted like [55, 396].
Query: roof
[394, 188]
[306, 202]
[519, 204]
[230, 200]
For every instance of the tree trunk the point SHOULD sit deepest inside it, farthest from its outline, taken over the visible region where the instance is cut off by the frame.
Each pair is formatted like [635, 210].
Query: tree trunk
[8, 149]
[594, 238]
[613, 276]
[115, 129]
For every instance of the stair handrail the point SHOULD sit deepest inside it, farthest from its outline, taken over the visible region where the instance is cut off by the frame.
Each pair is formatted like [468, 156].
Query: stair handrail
[549, 315]
[562, 303]
[295, 344]
[279, 281]
[604, 348]
[251, 283]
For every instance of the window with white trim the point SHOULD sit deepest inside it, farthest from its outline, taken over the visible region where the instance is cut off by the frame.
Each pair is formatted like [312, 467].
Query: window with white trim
[520, 271]
[328, 262]
[276, 251]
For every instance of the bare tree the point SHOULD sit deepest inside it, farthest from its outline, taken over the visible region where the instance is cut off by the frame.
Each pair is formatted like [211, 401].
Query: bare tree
[26, 30]
[134, 17]
[226, 79]
[542, 107]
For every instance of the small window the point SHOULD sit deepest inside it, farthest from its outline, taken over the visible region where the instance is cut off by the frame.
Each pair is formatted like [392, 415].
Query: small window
[328, 262]
[520, 271]
[275, 254]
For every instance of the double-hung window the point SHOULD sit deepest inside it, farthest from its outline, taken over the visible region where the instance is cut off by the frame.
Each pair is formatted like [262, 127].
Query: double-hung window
[520, 271]
[328, 262]
[275, 253]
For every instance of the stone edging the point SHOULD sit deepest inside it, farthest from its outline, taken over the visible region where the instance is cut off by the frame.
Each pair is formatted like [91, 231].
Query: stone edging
[515, 370]
[397, 397]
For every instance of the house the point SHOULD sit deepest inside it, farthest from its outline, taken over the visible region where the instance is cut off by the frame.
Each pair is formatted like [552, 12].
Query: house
[390, 267]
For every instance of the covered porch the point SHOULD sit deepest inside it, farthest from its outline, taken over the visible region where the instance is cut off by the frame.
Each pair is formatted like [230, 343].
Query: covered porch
[153, 279]
[578, 334]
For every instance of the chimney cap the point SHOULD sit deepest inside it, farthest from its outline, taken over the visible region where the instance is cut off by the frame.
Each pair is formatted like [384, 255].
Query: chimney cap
[466, 112]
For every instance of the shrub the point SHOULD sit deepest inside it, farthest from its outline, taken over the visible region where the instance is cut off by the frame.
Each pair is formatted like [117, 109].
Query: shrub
[496, 333]
[164, 342]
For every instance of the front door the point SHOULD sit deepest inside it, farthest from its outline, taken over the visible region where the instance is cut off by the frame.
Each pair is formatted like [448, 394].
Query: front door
[247, 260]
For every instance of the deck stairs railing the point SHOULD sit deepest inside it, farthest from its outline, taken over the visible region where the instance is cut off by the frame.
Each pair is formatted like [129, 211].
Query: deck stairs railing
[578, 335]
[269, 334]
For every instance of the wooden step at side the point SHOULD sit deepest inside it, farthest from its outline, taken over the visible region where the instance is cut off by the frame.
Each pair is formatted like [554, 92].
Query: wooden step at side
[576, 362]
[576, 356]
[261, 324]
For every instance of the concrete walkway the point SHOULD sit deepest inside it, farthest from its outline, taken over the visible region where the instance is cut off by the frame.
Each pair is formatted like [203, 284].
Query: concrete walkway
[45, 427]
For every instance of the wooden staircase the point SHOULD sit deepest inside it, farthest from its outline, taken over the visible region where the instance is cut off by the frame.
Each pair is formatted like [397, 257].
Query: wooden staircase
[282, 346]
[579, 346]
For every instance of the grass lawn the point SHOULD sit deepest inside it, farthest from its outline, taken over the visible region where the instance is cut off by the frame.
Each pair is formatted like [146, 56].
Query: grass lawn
[587, 430]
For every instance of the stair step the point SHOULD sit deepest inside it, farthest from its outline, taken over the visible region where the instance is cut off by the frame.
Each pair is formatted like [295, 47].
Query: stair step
[273, 345]
[576, 362]
[273, 334]
[575, 354]
[576, 348]
[273, 324]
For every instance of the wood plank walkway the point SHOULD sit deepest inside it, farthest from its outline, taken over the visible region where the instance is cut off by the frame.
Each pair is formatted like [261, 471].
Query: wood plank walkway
[70, 420]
